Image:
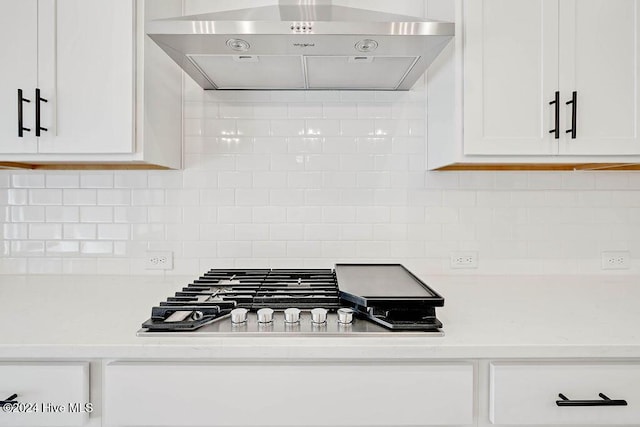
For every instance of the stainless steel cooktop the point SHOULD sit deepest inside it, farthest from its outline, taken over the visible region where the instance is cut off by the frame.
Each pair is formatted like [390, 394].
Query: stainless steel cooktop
[350, 300]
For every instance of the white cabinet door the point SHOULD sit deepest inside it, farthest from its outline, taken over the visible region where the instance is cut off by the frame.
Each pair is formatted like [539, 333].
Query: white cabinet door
[288, 394]
[89, 80]
[48, 394]
[19, 58]
[510, 76]
[599, 60]
[526, 393]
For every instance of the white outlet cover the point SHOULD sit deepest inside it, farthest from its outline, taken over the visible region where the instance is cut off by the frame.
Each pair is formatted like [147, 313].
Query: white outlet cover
[464, 260]
[159, 260]
[615, 260]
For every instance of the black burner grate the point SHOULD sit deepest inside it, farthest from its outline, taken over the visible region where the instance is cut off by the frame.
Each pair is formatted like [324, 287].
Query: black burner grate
[219, 291]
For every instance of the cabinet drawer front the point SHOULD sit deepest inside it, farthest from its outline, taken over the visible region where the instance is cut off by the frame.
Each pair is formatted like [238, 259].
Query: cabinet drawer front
[292, 394]
[48, 394]
[527, 393]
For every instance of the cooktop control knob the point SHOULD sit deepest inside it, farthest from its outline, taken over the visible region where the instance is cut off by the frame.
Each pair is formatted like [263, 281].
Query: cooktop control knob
[292, 315]
[319, 315]
[239, 315]
[345, 315]
[265, 315]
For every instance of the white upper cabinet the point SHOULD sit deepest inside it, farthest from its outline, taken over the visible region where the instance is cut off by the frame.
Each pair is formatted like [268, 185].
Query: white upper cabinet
[19, 71]
[516, 67]
[87, 63]
[100, 101]
[599, 61]
[511, 74]
[518, 54]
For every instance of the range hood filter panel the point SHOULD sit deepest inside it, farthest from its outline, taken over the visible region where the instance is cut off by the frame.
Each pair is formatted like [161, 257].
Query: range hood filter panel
[251, 72]
[359, 72]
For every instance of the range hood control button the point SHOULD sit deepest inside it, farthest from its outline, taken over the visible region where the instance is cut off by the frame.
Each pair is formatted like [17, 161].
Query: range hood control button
[238, 45]
[265, 315]
[292, 315]
[366, 45]
[319, 315]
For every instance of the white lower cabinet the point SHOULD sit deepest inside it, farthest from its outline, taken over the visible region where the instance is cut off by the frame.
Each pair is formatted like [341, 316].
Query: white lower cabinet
[48, 394]
[288, 394]
[526, 393]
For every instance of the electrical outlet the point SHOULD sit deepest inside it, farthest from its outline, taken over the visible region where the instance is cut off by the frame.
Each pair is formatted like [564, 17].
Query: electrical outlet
[618, 260]
[461, 260]
[159, 260]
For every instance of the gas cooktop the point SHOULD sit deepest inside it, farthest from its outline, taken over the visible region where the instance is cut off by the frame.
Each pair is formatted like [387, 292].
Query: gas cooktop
[352, 299]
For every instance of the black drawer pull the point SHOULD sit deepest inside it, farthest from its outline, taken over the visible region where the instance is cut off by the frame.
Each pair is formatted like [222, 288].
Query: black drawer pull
[39, 99]
[10, 399]
[604, 402]
[556, 102]
[21, 101]
[574, 114]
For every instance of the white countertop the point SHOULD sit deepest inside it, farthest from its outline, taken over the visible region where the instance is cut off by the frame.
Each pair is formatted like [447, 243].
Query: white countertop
[484, 317]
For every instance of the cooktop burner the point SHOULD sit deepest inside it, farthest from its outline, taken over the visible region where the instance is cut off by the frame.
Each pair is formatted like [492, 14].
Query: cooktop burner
[299, 302]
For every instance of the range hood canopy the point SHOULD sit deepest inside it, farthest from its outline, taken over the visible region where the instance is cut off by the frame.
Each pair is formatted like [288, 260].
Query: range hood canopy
[302, 45]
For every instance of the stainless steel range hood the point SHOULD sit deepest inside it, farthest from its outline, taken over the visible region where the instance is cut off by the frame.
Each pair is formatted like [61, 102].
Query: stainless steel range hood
[302, 45]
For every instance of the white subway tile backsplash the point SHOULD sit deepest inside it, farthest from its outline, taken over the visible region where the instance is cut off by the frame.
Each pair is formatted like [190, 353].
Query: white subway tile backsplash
[27, 180]
[16, 196]
[15, 231]
[253, 127]
[340, 110]
[286, 232]
[287, 127]
[96, 248]
[252, 197]
[306, 179]
[63, 247]
[114, 231]
[269, 214]
[251, 232]
[130, 179]
[45, 197]
[79, 231]
[322, 127]
[79, 197]
[27, 248]
[131, 215]
[321, 232]
[234, 215]
[44, 266]
[355, 128]
[45, 231]
[234, 249]
[27, 213]
[304, 214]
[287, 197]
[307, 110]
[147, 197]
[97, 180]
[357, 232]
[90, 214]
[114, 197]
[63, 180]
[304, 249]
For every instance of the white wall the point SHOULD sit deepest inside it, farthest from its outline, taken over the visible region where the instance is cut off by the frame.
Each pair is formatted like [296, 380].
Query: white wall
[290, 179]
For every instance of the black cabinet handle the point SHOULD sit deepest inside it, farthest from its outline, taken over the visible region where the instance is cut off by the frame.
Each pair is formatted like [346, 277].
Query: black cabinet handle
[38, 100]
[21, 101]
[564, 401]
[10, 399]
[556, 102]
[574, 114]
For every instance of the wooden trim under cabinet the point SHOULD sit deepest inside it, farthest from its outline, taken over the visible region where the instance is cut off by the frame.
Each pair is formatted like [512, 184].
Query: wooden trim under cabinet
[82, 166]
[541, 167]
